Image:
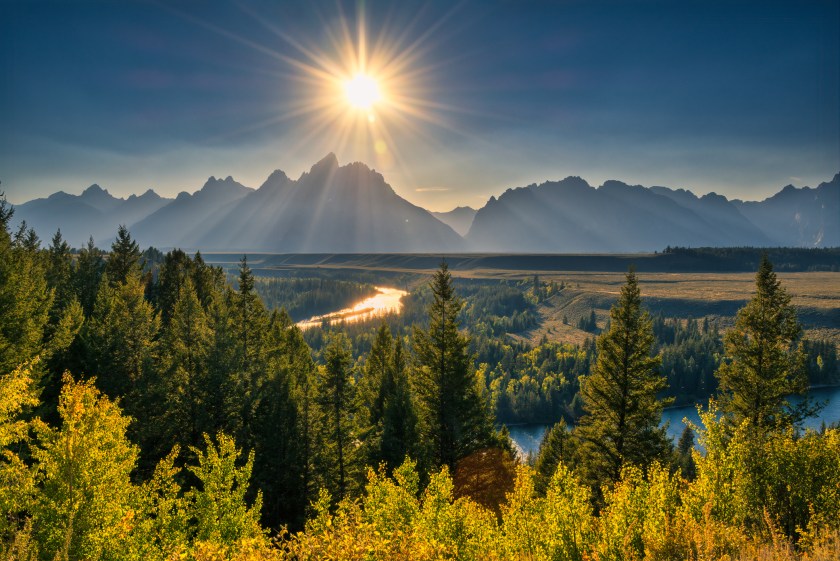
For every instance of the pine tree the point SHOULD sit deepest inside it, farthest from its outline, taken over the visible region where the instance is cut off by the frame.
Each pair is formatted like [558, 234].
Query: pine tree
[303, 390]
[764, 358]
[249, 324]
[88, 275]
[124, 259]
[335, 401]
[25, 297]
[387, 421]
[374, 385]
[119, 340]
[685, 459]
[60, 275]
[621, 417]
[556, 448]
[279, 464]
[454, 418]
[399, 422]
[184, 352]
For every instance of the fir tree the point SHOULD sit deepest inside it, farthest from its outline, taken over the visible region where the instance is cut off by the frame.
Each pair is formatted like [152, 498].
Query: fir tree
[278, 447]
[621, 410]
[184, 352]
[556, 448]
[124, 259]
[119, 340]
[25, 297]
[335, 400]
[454, 418]
[387, 422]
[89, 270]
[764, 358]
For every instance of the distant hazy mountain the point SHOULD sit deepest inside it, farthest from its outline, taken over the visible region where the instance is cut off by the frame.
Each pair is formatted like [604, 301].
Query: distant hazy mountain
[459, 219]
[330, 209]
[351, 209]
[572, 216]
[94, 213]
[186, 220]
[799, 217]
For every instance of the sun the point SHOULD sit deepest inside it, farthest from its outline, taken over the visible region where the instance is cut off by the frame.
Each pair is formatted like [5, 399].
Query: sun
[362, 92]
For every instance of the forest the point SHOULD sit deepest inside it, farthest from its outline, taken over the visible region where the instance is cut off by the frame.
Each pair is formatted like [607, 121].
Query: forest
[151, 409]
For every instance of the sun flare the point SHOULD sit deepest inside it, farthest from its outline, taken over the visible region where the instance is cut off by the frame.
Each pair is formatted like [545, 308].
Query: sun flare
[362, 92]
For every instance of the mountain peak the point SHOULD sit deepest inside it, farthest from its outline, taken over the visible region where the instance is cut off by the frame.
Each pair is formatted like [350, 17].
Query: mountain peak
[328, 162]
[94, 190]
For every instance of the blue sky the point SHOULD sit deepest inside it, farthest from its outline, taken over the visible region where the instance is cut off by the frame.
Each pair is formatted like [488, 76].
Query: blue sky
[740, 98]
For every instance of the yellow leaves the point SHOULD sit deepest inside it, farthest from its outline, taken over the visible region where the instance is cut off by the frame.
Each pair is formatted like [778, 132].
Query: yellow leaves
[16, 394]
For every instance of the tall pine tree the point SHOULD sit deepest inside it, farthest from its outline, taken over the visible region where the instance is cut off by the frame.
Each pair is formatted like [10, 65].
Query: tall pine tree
[454, 418]
[765, 361]
[124, 259]
[621, 410]
[335, 401]
[387, 421]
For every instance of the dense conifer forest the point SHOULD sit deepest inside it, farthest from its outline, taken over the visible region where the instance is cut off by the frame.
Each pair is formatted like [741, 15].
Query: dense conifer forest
[150, 409]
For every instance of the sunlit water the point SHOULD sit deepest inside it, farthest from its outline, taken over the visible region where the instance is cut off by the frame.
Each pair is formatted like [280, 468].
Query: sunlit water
[388, 300]
[527, 438]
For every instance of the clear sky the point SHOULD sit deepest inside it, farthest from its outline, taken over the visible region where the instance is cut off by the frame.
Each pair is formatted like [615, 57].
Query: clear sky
[740, 97]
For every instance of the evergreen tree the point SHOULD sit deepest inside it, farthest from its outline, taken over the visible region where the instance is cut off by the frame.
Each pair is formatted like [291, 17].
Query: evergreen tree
[399, 422]
[335, 401]
[124, 259]
[556, 448]
[279, 464]
[25, 297]
[119, 340]
[89, 270]
[454, 418]
[60, 275]
[764, 358]
[621, 417]
[185, 346]
[304, 388]
[249, 325]
[685, 459]
[174, 271]
[387, 422]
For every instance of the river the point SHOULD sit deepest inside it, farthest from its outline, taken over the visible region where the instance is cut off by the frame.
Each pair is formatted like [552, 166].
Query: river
[387, 300]
[527, 438]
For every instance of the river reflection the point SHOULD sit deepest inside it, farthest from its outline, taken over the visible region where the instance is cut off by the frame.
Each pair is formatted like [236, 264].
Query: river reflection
[388, 300]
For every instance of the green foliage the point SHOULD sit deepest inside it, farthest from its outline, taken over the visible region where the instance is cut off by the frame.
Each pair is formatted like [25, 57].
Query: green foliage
[621, 420]
[120, 339]
[454, 418]
[338, 451]
[124, 259]
[691, 353]
[25, 298]
[748, 475]
[387, 421]
[557, 448]
[184, 350]
[765, 361]
[90, 266]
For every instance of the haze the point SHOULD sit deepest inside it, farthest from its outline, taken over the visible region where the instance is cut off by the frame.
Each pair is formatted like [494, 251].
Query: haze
[737, 99]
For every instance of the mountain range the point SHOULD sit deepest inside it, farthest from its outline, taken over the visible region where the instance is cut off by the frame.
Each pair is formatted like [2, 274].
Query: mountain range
[351, 209]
